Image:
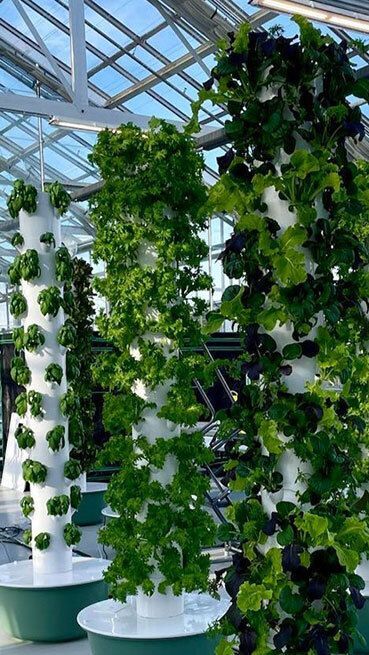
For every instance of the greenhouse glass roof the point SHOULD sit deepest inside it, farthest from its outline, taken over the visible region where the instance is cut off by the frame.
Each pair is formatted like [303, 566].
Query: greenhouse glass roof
[141, 58]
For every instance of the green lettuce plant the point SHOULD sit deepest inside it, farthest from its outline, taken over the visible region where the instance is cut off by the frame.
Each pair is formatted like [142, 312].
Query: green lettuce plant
[75, 496]
[34, 471]
[58, 505]
[34, 399]
[19, 371]
[25, 436]
[54, 373]
[18, 338]
[14, 270]
[72, 469]
[152, 198]
[17, 240]
[56, 438]
[29, 265]
[67, 335]
[18, 304]
[72, 534]
[59, 197]
[48, 239]
[27, 506]
[69, 403]
[21, 403]
[293, 581]
[23, 196]
[42, 540]
[50, 301]
[33, 338]
[63, 265]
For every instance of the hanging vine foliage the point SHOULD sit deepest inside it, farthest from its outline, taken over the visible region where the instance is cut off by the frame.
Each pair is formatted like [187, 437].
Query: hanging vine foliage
[294, 584]
[77, 335]
[150, 205]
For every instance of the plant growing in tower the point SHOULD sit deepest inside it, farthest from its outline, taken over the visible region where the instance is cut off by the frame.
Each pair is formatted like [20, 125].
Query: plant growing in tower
[299, 300]
[44, 406]
[148, 218]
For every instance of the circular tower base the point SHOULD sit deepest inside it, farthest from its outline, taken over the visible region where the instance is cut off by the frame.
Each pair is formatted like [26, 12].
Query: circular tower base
[115, 628]
[46, 610]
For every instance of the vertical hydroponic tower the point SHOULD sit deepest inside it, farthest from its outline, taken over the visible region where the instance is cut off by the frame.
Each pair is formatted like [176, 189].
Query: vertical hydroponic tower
[40, 271]
[147, 217]
[299, 297]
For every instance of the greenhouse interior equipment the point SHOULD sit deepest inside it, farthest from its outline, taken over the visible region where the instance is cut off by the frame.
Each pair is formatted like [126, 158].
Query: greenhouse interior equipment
[184, 307]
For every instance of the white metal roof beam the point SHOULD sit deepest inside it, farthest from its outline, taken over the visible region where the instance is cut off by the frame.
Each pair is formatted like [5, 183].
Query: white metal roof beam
[46, 52]
[159, 76]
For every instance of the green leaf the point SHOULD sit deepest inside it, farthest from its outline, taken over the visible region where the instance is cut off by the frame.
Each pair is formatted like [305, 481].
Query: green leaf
[251, 596]
[231, 292]
[268, 431]
[224, 648]
[286, 536]
[250, 222]
[214, 322]
[304, 163]
[347, 557]
[284, 508]
[290, 267]
[292, 351]
[290, 603]
[269, 317]
[361, 88]
[293, 236]
[241, 41]
[313, 524]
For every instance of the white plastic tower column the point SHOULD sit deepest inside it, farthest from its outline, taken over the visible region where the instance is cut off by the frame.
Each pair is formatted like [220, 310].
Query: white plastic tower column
[57, 558]
[303, 369]
[158, 605]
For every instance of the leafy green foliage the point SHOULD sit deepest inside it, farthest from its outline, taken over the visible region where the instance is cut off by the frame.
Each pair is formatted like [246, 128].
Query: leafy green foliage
[14, 271]
[42, 540]
[17, 240]
[56, 438]
[75, 496]
[23, 196]
[34, 471]
[58, 505]
[59, 197]
[293, 583]
[24, 436]
[21, 404]
[33, 338]
[76, 334]
[18, 304]
[50, 301]
[69, 403]
[63, 265]
[72, 534]
[34, 399]
[72, 469]
[19, 371]
[18, 338]
[54, 373]
[67, 335]
[27, 536]
[29, 265]
[48, 239]
[148, 216]
[27, 506]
